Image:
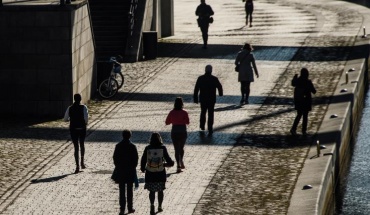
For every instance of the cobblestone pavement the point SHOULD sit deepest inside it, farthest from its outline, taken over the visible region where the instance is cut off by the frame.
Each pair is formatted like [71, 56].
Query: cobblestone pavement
[249, 166]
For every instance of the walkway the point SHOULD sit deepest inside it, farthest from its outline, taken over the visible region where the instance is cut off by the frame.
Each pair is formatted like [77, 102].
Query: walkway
[249, 166]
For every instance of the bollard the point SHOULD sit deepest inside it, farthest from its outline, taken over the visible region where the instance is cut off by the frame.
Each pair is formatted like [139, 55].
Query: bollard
[318, 148]
[365, 35]
[346, 77]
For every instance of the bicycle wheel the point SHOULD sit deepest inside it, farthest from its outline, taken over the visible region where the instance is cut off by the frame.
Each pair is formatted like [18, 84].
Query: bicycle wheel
[108, 88]
[120, 79]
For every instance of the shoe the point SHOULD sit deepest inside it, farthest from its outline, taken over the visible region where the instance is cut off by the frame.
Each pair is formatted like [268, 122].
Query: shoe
[121, 212]
[160, 209]
[132, 210]
[202, 128]
[210, 133]
[182, 166]
[246, 102]
[246, 23]
[83, 166]
[293, 132]
[152, 212]
[178, 170]
[304, 133]
[242, 102]
[250, 25]
[204, 47]
[77, 170]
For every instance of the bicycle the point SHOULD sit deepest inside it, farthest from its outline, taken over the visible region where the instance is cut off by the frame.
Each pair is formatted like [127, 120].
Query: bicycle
[109, 87]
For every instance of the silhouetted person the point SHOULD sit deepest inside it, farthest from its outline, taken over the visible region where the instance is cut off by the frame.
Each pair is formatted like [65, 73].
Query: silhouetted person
[249, 11]
[206, 86]
[204, 12]
[179, 118]
[125, 159]
[302, 99]
[78, 116]
[153, 162]
[245, 60]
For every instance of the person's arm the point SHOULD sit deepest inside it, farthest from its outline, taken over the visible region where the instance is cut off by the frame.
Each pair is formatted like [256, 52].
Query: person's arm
[255, 66]
[219, 88]
[187, 121]
[313, 90]
[210, 11]
[116, 156]
[66, 115]
[196, 92]
[136, 156]
[197, 12]
[86, 114]
[167, 158]
[168, 119]
[143, 160]
[294, 80]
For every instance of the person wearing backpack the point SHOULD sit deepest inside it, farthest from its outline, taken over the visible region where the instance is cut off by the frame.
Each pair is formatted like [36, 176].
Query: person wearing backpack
[302, 99]
[244, 62]
[78, 116]
[153, 162]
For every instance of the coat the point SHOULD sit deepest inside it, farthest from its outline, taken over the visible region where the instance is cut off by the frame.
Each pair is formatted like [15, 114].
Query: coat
[125, 159]
[246, 60]
[155, 176]
[206, 86]
[204, 11]
[302, 93]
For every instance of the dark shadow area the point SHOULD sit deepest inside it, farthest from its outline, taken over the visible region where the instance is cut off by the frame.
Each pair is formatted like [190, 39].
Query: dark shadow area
[228, 108]
[51, 179]
[270, 53]
[365, 3]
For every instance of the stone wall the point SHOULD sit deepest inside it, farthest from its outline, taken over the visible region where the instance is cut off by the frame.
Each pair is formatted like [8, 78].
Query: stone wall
[46, 55]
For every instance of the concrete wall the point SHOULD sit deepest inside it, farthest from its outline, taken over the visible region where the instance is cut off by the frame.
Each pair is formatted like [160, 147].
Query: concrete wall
[46, 55]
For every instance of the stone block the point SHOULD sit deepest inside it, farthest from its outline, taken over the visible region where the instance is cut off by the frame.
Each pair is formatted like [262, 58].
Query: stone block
[60, 33]
[59, 92]
[26, 77]
[49, 47]
[49, 18]
[23, 47]
[62, 61]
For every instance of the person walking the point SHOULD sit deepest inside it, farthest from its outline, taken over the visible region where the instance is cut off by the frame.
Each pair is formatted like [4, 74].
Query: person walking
[153, 162]
[302, 99]
[244, 62]
[78, 116]
[204, 13]
[125, 158]
[179, 118]
[205, 87]
[249, 11]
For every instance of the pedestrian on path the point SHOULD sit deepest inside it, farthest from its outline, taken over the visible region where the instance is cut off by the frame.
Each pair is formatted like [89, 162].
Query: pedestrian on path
[244, 62]
[77, 115]
[179, 118]
[248, 11]
[204, 13]
[153, 162]
[125, 158]
[302, 99]
[206, 86]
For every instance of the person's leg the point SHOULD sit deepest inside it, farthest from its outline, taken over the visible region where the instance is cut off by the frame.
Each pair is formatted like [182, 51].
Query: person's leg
[82, 135]
[304, 123]
[242, 91]
[160, 200]
[250, 12]
[296, 121]
[130, 194]
[182, 142]
[247, 14]
[247, 91]
[74, 137]
[151, 199]
[122, 197]
[211, 111]
[204, 30]
[203, 111]
[176, 146]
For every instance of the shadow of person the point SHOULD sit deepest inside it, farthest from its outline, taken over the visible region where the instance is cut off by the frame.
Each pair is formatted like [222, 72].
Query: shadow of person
[227, 108]
[51, 179]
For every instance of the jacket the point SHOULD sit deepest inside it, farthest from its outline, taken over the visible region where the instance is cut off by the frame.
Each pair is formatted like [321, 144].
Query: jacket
[125, 159]
[302, 93]
[206, 86]
[246, 60]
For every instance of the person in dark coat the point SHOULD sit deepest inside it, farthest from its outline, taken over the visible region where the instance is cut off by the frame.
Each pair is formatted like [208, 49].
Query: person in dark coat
[249, 11]
[206, 87]
[125, 159]
[78, 116]
[204, 12]
[302, 99]
[247, 64]
[153, 162]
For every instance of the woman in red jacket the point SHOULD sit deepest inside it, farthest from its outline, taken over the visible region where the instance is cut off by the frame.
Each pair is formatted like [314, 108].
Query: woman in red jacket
[179, 118]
